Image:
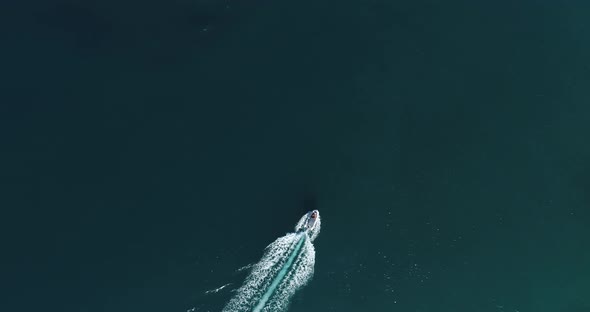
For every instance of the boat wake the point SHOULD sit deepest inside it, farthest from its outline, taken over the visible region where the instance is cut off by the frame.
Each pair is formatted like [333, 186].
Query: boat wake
[286, 266]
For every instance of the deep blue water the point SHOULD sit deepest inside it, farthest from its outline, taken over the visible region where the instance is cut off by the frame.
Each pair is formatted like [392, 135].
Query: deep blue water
[152, 148]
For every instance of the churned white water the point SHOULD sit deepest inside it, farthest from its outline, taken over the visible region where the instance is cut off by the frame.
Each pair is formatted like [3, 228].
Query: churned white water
[286, 266]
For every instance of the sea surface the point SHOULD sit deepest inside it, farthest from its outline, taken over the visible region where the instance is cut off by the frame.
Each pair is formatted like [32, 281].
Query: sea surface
[151, 149]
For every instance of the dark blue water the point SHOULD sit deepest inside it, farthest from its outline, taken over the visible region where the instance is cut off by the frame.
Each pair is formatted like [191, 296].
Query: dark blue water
[150, 149]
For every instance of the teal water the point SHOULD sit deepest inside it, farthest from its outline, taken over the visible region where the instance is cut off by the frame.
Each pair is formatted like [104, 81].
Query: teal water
[151, 149]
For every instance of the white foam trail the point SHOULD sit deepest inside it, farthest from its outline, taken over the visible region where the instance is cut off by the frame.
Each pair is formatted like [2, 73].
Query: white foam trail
[279, 278]
[246, 267]
[286, 266]
[216, 290]
[296, 277]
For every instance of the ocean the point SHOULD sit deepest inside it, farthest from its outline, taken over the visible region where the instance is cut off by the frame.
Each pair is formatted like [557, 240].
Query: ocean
[151, 150]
